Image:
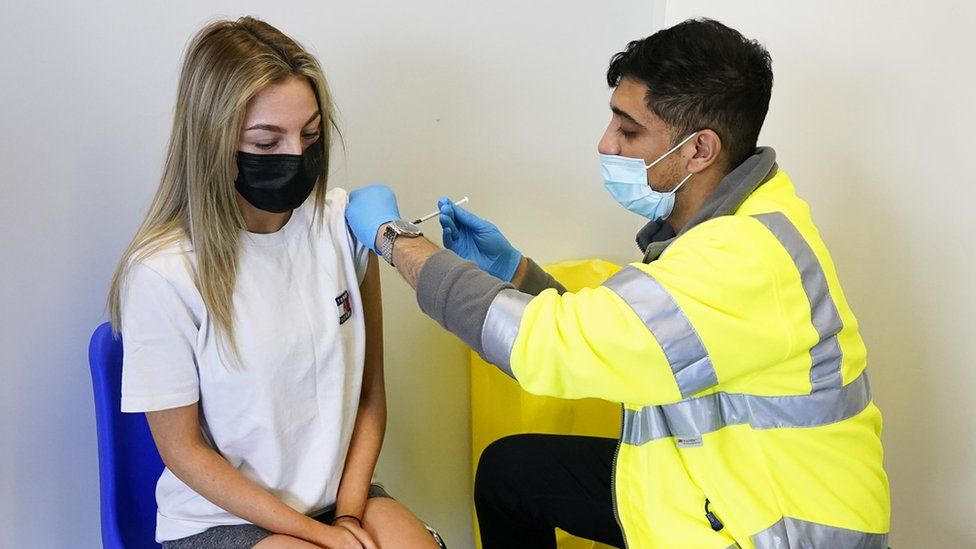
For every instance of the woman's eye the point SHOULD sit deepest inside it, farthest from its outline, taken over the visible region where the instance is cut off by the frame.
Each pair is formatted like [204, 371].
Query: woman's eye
[311, 135]
[264, 146]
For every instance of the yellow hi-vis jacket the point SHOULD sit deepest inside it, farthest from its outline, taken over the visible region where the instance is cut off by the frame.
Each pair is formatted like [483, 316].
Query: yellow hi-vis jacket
[747, 416]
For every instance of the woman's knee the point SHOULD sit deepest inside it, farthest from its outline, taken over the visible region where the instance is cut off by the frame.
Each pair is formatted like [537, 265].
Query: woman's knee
[391, 524]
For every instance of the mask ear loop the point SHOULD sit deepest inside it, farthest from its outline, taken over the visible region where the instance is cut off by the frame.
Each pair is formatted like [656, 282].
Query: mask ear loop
[674, 190]
[674, 148]
[663, 156]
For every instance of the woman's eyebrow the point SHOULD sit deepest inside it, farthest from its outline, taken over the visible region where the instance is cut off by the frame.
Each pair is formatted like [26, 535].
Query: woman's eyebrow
[278, 129]
[268, 127]
[315, 115]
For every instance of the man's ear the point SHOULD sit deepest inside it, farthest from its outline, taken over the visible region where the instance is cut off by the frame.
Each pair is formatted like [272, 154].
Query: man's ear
[707, 147]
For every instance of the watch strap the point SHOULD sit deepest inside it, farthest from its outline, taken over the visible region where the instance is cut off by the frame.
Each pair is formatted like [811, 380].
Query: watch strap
[386, 247]
[393, 231]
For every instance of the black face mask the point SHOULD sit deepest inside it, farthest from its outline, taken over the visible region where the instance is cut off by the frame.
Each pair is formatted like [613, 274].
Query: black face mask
[278, 183]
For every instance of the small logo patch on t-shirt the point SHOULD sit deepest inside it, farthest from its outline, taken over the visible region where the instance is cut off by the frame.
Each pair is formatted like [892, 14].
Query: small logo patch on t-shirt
[345, 307]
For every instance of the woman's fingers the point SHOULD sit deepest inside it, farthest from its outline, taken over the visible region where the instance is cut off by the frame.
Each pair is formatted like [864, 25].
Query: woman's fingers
[361, 535]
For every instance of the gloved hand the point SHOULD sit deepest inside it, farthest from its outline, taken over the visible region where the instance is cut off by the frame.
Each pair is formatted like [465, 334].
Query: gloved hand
[477, 240]
[368, 209]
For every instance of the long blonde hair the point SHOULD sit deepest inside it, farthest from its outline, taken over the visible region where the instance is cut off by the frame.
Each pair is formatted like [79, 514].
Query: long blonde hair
[226, 64]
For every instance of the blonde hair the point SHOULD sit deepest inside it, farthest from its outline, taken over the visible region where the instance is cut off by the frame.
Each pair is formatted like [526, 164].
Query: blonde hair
[226, 64]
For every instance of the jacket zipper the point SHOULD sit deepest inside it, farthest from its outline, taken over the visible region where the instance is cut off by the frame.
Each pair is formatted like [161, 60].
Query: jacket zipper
[613, 478]
[713, 521]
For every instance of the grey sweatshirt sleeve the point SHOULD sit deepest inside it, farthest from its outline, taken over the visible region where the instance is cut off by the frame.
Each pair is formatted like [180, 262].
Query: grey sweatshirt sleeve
[536, 280]
[457, 294]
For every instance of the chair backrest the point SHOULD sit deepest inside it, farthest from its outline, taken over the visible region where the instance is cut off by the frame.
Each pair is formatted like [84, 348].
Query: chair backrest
[128, 463]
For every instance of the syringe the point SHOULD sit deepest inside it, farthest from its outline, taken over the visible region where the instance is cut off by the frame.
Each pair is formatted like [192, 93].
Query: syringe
[438, 212]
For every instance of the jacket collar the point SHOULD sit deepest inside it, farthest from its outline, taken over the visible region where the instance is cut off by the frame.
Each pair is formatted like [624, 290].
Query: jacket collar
[731, 192]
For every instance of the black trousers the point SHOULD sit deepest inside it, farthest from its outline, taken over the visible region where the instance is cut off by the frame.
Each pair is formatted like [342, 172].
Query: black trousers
[527, 485]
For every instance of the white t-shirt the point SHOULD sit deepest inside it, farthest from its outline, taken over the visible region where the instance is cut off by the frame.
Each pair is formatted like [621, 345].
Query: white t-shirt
[284, 416]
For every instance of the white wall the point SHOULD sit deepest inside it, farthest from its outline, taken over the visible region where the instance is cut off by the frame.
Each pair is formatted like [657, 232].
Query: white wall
[501, 100]
[872, 116]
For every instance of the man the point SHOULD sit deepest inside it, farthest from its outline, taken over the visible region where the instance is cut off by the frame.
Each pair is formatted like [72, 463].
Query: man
[747, 415]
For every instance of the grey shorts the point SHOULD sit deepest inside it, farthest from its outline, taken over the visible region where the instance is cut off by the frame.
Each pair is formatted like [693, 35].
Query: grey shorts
[246, 536]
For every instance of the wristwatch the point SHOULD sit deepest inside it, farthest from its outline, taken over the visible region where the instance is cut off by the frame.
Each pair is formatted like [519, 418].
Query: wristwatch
[393, 231]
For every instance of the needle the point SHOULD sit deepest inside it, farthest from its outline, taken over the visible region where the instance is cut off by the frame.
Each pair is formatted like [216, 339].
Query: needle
[438, 212]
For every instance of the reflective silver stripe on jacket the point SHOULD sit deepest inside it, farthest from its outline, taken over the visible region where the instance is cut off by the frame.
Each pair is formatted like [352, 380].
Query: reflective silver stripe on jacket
[695, 417]
[662, 316]
[826, 354]
[828, 402]
[502, 326]
[791, 532]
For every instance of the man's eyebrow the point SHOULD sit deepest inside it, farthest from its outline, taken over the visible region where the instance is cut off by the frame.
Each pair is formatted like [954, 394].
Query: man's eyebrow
[620, 112]
[278, 129]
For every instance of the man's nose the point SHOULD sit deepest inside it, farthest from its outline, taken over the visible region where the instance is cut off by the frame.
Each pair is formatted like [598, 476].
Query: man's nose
[609, 143]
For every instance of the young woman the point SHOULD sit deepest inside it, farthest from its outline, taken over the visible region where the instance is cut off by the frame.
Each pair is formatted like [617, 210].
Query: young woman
[251, 317]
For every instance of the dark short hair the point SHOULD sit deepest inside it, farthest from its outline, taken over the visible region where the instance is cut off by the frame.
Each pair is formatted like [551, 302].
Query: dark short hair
[701, 74]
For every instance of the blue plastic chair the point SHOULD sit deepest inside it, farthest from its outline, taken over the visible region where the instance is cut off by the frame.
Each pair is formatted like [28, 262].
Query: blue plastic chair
[128, 463]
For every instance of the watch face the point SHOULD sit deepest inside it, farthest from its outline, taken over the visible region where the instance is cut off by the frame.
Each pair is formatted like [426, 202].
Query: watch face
[404, 228]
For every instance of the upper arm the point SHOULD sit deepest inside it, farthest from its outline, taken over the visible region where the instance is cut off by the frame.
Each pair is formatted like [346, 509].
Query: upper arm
[373, 318]
[159, 332]
[589, 344]
[175, 431]
[369, 289]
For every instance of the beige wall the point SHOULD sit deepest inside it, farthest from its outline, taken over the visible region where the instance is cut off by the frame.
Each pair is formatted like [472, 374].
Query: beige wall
[872, 116]
[503, 101]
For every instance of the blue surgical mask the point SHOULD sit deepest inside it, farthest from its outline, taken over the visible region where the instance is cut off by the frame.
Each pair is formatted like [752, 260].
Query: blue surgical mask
[626, 179]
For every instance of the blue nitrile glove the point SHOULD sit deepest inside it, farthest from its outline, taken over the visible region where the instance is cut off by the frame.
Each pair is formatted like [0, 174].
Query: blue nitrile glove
[368, 209]
[478, 240]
